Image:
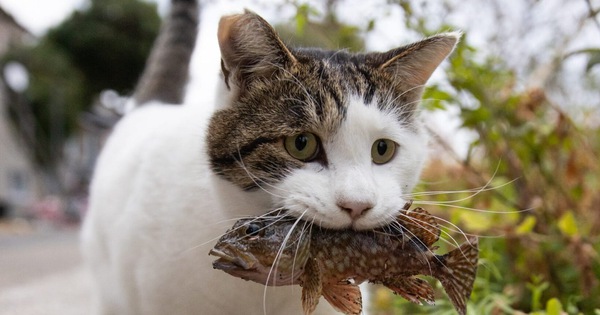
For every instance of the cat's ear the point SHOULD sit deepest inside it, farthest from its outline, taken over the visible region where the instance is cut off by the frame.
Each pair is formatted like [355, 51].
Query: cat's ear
[250, 48]
[412, 65]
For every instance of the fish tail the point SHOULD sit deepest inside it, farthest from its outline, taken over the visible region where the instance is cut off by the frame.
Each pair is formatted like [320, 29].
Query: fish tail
[456, 272]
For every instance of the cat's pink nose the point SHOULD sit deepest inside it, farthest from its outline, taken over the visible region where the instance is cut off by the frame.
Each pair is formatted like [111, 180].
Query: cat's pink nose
[355, 208]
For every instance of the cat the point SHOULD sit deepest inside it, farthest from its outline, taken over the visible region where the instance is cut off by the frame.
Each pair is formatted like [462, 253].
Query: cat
[334, 137]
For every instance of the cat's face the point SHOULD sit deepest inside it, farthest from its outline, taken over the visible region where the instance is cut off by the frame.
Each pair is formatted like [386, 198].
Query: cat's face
[334, 137]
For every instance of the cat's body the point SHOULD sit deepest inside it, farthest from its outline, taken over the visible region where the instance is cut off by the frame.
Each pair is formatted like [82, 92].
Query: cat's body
[147, 242]
[334, 137]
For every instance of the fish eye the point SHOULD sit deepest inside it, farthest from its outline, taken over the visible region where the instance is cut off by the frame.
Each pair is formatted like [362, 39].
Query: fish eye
[253, 229]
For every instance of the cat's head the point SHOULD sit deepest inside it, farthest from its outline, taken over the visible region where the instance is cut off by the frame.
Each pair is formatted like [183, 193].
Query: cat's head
[334, 137]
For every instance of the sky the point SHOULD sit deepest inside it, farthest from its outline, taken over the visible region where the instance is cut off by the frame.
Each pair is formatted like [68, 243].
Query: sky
[38, 15]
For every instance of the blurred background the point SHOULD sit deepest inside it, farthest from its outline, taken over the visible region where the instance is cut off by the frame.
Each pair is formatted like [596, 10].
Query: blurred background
[514, 115]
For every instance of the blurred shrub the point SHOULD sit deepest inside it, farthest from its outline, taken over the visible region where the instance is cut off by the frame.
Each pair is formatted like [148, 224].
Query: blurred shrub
[535, 203]
[104, 46]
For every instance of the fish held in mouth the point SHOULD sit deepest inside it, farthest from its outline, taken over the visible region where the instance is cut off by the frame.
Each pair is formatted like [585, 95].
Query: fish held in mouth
[280, 250]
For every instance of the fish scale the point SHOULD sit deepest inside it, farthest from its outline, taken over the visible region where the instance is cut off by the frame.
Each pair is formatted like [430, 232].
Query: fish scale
[332, 263]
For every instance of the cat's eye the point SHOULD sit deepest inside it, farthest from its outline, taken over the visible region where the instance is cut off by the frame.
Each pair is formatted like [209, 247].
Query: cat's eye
[253, 229]
[303, 147]
[383, 151]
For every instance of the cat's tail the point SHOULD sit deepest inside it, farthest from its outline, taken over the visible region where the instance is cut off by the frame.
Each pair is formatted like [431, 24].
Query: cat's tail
[167, 69]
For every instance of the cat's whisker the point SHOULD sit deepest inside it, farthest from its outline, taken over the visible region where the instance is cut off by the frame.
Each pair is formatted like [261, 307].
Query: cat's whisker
[449, 192]
[253, 218]
[485, 187]
[435, 203]
[236, 218]
[277, 257]
[396, 226]
[482, 188]
[406, 109]
[265, 183]
[302, 235]
[255, 179]
[277, 219]
[473, 192]
[391, 102]
[453, 242]
[414, 238]
[452, 228]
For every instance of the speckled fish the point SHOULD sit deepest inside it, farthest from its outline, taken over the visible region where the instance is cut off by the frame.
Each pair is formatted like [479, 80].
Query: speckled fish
[332, 263]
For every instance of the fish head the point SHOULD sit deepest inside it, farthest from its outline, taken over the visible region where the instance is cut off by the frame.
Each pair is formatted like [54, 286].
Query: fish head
[270, 251]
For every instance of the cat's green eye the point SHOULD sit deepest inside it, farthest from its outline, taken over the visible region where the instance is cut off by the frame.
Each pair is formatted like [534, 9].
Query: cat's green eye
[303, 147]
[383, 151]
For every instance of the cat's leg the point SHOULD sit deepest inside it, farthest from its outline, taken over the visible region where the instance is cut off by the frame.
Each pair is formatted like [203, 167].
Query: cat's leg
[106, 296]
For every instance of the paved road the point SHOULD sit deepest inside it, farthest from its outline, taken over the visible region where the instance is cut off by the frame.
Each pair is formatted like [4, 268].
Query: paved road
[41, 272]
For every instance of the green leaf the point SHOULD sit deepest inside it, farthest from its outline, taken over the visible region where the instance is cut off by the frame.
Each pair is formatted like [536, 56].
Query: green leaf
[537, 286]
[568, 225]
[371, 25]
[300, 23]
[302, 13]
[434, 98]
[554, 307]
[526, 226]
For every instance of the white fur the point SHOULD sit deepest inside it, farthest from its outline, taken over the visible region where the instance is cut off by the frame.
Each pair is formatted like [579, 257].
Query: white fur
[156, 209]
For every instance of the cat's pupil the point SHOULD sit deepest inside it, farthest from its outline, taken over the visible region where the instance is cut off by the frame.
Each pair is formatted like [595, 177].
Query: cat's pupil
[301, 142]
[382, 147]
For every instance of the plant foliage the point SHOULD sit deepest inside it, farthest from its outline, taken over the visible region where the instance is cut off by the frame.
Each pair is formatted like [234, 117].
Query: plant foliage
[105, 46]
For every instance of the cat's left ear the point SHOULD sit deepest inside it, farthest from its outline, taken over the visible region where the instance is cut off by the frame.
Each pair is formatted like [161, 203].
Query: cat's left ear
[250, 49]
[412, 65]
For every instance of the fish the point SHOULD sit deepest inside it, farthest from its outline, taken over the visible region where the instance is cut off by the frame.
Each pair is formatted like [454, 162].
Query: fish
[279, 250]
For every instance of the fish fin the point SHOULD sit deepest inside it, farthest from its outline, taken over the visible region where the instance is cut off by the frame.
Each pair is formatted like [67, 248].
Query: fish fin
[420, 224]
[457, 271]
[411, 288]
[344, 297]
[311, 286]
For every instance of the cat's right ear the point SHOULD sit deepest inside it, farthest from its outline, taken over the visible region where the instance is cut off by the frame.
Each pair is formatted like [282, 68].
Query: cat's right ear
[250, 49]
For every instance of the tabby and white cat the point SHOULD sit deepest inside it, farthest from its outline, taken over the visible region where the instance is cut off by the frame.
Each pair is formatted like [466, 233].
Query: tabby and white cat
[332, 136]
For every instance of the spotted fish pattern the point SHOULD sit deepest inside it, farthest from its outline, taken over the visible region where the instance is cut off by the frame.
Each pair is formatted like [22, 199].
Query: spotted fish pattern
[281, 250]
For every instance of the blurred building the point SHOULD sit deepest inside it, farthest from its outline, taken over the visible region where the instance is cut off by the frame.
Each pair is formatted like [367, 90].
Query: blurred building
[20, 183]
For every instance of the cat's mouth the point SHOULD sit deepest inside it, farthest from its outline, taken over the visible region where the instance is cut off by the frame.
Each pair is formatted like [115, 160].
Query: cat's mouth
[342, 221]
[363, 224]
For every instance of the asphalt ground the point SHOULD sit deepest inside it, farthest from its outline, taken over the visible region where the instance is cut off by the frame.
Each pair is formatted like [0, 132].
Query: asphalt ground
[41, 271]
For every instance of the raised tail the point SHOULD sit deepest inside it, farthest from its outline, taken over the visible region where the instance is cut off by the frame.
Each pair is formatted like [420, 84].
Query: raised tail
[167, 69]
[456, 272]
